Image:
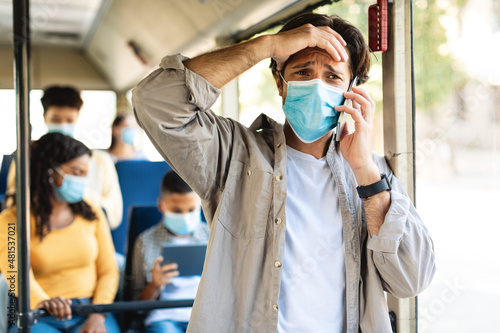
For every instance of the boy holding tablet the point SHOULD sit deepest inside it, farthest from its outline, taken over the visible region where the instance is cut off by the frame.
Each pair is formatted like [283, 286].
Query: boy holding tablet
[180, 225]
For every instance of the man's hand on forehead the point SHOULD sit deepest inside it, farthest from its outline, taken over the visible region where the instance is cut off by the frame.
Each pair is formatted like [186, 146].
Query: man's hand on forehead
[289, 42]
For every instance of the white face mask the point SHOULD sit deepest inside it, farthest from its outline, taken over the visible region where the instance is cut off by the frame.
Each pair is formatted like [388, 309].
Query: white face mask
[182, 224]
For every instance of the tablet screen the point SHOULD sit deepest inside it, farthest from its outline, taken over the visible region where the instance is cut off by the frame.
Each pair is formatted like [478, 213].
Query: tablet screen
[189, 258]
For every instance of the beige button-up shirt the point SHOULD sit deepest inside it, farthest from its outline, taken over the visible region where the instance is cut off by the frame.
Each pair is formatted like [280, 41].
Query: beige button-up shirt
[240, 174]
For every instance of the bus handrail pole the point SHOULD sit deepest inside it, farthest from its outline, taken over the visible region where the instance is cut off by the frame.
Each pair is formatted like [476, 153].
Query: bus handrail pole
[84, 310]
[21, 75]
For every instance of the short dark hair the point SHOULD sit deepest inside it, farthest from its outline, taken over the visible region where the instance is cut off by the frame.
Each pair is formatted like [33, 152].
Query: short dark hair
[61, 96]
[359, 52]
[118, 120]
[172, 183]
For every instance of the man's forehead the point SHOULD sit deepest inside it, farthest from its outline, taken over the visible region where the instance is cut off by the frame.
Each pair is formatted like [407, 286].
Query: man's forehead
[185, 198]
[312, 53]
[312, 56]
[62, 110]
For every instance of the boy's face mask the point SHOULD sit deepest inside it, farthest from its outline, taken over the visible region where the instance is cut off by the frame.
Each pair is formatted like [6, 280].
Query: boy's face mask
[66, 129]
[182, 224]
[309, 108]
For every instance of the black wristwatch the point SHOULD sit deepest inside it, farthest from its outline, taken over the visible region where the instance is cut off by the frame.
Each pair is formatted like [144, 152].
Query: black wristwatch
[375, 188]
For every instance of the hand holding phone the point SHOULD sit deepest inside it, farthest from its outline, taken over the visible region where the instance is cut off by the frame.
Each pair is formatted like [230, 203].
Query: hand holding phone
[343, 116]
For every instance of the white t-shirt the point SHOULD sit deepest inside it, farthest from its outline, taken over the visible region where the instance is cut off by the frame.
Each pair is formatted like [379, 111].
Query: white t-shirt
[312, 293]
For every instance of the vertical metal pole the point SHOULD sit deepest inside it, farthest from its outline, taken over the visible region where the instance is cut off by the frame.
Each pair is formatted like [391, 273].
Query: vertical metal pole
[21, 73]
[399, 126]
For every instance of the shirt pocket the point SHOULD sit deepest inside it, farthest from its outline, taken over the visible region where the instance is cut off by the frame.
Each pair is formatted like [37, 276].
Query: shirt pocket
[246, 201]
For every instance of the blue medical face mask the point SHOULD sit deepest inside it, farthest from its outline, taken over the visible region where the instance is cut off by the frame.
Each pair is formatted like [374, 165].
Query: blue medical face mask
[66, 129]
[72, 188]
[129, 134]
[182, 224]
[309, 108]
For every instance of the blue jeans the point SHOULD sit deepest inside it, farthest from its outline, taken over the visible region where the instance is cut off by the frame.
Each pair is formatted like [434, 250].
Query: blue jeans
[74, 325]
[167, 326]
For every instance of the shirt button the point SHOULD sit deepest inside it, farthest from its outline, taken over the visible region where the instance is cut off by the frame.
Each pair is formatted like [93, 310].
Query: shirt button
[279, 177]
[275, 307]
[249, 172]
[278, 221]
[278, 145]
[277, 264]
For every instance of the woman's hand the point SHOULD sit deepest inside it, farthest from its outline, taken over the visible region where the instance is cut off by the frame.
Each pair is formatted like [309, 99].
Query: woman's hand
[58, 307]
[94, 324]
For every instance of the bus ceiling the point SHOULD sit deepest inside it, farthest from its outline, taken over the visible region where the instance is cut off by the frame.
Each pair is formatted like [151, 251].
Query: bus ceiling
[106, 44]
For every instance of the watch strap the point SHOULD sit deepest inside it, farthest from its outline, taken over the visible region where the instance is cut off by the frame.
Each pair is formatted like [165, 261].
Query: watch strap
[375, 188]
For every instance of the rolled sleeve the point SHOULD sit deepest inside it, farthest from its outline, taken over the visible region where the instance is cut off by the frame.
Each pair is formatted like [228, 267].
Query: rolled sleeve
[403, 251]
[391, 232]
[201, 92]
[172, 106]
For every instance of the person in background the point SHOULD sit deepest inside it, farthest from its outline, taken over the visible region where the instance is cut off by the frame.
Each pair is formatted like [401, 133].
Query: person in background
[181, 225]
[124, 136]
[61, 108]
[72, 253]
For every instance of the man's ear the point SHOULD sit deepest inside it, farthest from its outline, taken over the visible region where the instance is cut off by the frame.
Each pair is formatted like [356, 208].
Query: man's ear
[159, 204]
[279, 82]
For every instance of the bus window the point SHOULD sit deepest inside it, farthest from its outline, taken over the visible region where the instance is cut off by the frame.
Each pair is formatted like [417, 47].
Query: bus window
[457, 160]
[258, 94]
[8, 123]
[94, 122]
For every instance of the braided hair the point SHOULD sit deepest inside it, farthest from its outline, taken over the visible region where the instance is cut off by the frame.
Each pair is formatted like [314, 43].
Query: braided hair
[51, 150]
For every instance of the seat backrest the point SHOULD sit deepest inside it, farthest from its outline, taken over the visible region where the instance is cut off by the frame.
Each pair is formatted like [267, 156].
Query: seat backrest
[140, 218]
[140, 185]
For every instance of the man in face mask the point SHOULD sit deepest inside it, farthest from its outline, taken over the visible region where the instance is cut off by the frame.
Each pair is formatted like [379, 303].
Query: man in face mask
[306, 232]
[61, 109]
[181, 225]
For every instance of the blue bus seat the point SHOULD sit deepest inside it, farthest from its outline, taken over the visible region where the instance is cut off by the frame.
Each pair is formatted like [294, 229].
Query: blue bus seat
[140, 185]
[140, 219]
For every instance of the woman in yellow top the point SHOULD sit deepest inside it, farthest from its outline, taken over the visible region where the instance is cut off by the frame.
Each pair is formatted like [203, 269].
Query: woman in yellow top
[72, 253]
